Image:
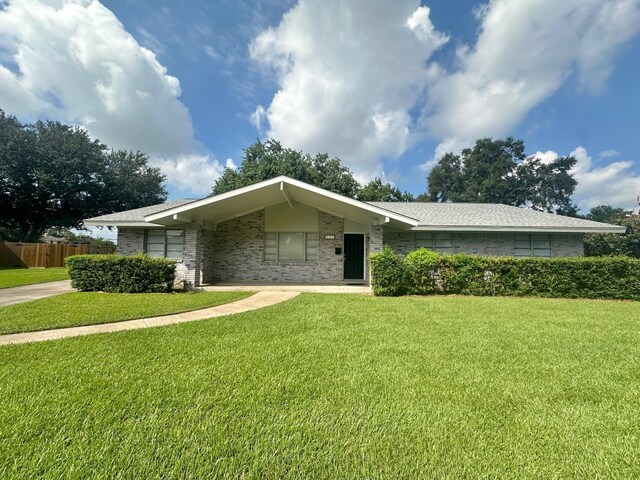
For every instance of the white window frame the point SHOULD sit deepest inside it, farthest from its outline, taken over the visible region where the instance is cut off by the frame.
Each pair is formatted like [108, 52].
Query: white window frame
[430, 239]
[165, 243]
[524, 245]
[274, 256]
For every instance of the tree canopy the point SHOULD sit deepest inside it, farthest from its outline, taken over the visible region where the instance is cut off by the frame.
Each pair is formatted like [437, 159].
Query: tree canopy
[265, 160]
[376, 191]
[53, 174]
[607, 214]
[499, 171]
[612, 244]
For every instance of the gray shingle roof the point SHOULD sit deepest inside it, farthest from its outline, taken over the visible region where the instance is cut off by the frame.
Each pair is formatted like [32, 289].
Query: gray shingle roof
[138, 214]
[484, 215]
[451, 216]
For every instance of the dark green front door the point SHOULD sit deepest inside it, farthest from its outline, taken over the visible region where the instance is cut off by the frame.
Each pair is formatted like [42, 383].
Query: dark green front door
[353, 256]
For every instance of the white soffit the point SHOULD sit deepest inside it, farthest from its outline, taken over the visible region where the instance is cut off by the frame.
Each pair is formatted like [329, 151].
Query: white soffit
[255, 197]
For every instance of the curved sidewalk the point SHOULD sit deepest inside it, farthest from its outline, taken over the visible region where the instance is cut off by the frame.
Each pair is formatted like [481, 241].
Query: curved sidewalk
[26, 293]
[259, 300]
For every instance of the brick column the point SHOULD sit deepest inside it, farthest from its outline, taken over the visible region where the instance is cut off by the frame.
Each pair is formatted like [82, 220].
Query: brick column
[192, 258]
[375, 244]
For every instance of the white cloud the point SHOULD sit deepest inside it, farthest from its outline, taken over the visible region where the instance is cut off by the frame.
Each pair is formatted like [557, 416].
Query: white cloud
[349, 73]
[526, 50]
[230, 164]
[258, 117]
[610, 184]
[77, 63]
[192, 172]
[609, 154]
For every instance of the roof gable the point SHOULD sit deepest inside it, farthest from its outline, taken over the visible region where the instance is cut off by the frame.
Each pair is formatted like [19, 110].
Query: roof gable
[254, 197]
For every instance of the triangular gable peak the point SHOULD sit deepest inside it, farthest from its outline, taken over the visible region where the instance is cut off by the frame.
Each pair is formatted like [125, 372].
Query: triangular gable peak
[236, 203]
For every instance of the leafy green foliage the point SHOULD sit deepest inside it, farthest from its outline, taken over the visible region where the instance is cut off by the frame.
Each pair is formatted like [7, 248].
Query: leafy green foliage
[388, 273]
[71, 237]
[613, 244]
[376, 191]
[579, 277]
[498, 171]
[18, 277]
[53, 174]
[265, 160]
[607, 214]
[92, 308]
[120, 274]
[421, 270]
[336, 386]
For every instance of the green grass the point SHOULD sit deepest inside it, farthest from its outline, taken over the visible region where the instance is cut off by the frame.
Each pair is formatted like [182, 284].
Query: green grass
[17, 277]
[336, 386]
[90, 308]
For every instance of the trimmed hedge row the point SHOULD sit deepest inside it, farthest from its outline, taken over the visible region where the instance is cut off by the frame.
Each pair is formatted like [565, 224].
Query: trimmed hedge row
[423, 272]
[119, 274]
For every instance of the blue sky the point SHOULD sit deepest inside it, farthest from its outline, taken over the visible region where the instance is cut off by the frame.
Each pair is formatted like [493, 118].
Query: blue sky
[386, 86]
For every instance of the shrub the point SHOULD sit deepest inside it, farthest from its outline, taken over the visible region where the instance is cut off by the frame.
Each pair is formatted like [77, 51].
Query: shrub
[119, 274]
[421, 271]
[603, 277]
[388, 276]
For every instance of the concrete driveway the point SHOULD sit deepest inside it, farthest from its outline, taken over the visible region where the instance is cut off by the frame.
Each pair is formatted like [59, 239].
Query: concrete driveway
[9, 296]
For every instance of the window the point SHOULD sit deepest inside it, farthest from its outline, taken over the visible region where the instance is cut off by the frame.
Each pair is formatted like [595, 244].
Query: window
[165, 243]
[532, 246]
[438, 242]
[290, 247]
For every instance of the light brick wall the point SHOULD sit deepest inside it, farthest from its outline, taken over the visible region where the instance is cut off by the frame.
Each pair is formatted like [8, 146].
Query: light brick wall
[490, 244]
[238, 253]
[568, 245]
[208, 248]
[235, 252]
[130, 241]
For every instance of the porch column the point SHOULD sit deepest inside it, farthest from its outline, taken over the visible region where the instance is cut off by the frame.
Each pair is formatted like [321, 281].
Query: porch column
[375, 238]
[192, 258]
[375, 245]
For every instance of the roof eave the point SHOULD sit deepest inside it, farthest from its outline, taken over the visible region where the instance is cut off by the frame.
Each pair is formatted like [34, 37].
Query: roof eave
[524, 229]
[120, 223]
[409, 221]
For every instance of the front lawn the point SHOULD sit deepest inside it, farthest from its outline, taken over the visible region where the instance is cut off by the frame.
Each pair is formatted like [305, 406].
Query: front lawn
[17, 277]
[90, 308]
[336, 386]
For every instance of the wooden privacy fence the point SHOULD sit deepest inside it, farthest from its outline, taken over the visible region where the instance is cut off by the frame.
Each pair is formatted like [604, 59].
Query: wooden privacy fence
[43, 254]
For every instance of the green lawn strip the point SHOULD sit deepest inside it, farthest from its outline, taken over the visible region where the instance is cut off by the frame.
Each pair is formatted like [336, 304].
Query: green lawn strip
[336, 386]
[17, 277]
[90, 308]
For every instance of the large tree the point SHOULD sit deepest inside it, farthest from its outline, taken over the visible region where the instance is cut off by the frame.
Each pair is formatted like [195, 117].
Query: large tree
[608, 214]
[499, 171]
[53, 174]
[265, 160]
[376, 191]
[612, 244]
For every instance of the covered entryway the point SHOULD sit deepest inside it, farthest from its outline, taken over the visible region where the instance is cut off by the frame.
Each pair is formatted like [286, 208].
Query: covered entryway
[354, 256]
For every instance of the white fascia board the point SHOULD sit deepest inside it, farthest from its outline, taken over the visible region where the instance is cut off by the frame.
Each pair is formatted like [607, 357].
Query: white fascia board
[120, 223]
[472, 228]
[273, 181]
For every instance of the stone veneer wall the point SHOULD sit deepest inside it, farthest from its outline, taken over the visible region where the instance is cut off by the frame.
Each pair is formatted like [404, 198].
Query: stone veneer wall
[491, 244]
[238, 253]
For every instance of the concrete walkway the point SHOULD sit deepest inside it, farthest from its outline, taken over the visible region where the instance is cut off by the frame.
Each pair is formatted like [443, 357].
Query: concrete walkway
[9, 296]
[259, 300]
[274, 287]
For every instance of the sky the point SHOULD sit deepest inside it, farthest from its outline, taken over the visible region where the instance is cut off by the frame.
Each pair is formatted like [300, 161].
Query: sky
[386, 86]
